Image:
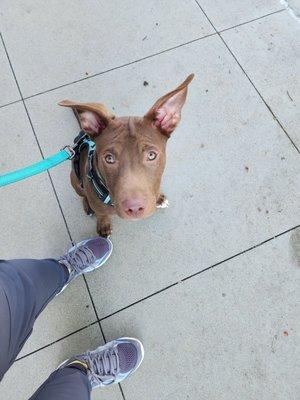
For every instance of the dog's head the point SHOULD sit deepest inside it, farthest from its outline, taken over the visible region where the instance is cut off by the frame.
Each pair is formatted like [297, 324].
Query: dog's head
[131, 151]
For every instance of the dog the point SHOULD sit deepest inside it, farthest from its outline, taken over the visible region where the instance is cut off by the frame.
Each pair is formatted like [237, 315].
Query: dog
[120, 160]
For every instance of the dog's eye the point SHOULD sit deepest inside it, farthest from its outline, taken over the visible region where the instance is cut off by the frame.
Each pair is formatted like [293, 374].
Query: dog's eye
[152, 155]
[110, 158]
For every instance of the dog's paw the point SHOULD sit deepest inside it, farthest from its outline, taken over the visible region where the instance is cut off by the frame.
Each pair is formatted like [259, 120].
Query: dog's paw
[105, 231]
[162, 202]
[104, 228]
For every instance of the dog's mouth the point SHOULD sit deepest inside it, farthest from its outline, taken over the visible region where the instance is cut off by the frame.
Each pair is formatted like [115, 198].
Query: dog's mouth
[133, 218]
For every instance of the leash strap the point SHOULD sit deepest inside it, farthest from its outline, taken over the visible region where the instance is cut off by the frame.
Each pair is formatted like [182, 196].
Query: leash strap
[65, 154]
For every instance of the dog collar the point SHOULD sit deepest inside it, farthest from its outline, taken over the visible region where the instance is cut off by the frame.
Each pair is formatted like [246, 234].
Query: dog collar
[82, 141]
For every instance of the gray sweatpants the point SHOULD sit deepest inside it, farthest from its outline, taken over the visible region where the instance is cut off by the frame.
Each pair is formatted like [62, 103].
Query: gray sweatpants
[26, 287]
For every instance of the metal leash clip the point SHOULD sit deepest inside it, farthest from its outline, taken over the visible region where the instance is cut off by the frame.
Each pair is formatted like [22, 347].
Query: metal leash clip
[69, 149]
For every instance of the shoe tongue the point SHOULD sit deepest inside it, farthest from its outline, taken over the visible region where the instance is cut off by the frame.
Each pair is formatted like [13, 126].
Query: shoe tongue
[127, 354]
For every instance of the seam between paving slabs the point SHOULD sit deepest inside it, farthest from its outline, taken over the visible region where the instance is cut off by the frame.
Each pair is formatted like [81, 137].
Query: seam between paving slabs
[115, 68]
[52, 184]
[252, 20]
[141, 59]
[56, 341]
[168, 287]
[10, 103]
[248, 77]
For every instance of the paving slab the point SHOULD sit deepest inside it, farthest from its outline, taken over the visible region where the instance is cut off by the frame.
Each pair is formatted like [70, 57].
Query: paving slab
[225, 14]
[68, 43]
[232, 175]
[230, 333]
[32, 227]
[8, 88]
[269, 51]
[26, 375]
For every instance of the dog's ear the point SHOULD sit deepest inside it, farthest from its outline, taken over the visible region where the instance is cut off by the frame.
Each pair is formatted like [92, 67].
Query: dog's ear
[165, 113]
[93, 117]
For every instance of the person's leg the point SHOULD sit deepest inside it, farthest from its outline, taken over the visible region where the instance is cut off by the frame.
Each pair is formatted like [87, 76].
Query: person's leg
[105, 366]
[26, 287]
[65, 384]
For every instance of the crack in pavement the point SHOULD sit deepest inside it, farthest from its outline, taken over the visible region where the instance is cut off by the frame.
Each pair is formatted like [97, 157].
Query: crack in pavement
[293, 6]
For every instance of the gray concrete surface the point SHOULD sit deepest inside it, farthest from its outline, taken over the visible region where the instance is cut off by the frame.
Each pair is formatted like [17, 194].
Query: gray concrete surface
[215, 296]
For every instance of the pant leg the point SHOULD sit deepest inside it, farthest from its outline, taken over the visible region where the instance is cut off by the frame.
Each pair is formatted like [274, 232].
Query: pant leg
[26, 287]
[65, 384]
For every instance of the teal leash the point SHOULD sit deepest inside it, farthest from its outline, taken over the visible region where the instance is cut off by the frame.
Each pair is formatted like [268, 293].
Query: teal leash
[67, 153]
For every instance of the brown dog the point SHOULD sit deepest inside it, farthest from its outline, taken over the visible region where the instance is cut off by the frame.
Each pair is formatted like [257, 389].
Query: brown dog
[129, 157]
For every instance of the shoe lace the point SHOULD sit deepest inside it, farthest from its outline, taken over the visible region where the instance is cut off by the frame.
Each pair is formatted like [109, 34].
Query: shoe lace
[79, 258]
[104, 367]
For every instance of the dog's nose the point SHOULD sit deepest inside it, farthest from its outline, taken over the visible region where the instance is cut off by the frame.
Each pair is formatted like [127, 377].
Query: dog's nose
[134, 208]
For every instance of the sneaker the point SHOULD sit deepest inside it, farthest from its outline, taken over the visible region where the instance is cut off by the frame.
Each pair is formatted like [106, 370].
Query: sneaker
[111, 363]
[86, 256]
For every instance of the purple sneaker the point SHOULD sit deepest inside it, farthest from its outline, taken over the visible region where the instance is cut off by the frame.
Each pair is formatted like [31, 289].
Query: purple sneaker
[111, 363]
[86, 256]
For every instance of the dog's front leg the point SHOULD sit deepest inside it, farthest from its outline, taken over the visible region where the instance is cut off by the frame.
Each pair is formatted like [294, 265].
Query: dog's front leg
[104, 225]
[87, 208]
